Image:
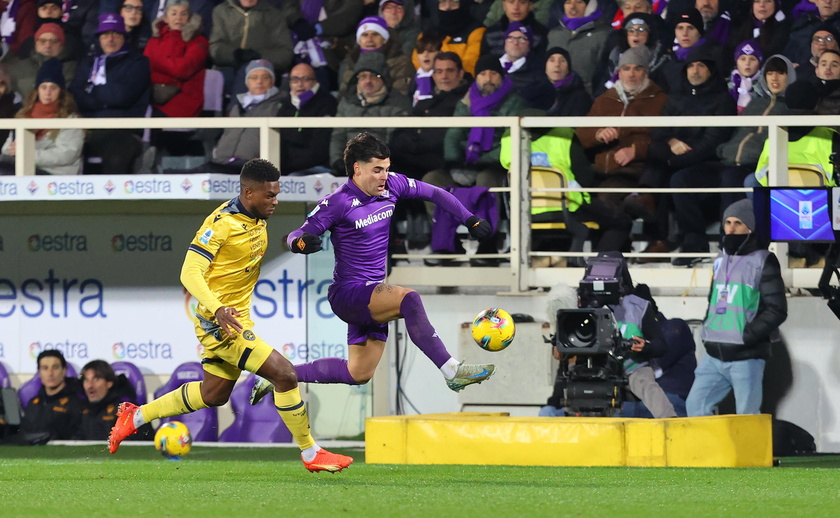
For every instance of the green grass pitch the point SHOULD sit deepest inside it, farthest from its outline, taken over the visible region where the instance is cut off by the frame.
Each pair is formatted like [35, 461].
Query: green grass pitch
[86, 481]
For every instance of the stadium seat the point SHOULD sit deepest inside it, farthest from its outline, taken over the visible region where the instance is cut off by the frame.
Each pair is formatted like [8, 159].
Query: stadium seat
[5, 377]
[135, 377]
[204, 423]
[258, 423]
[30, 388]
[806, 175]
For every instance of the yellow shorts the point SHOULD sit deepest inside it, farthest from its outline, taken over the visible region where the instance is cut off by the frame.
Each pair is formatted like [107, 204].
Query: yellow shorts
[228, 357]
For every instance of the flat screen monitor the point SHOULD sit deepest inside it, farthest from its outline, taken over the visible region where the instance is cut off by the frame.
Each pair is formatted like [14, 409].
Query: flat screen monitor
[797, 215]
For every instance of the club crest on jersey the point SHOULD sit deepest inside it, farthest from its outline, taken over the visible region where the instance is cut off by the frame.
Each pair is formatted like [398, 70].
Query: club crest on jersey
[205, 237]
[385, 194]
[248, 335]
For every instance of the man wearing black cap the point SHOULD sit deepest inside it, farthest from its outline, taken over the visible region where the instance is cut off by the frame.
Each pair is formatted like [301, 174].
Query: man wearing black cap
[747, 305]
[472, 154]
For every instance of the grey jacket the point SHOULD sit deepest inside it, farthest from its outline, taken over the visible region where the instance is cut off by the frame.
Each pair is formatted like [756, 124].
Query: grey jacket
[244, 143]
[262, 28]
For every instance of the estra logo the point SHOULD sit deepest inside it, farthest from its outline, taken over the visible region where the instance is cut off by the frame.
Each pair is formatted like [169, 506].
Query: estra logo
[149, 350]
[141, 243]
[70, 350]
[57, 243]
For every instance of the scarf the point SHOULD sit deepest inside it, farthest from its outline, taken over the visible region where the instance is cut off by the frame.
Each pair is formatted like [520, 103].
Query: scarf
[574, 24]
[8, 22]
[481, 139]
[377, 96]
[512, 66]
[43, 111]
[566, 81]
[741, 88]
[720, 30]
[311, 10]
[311, 51]
[299, 101]
[682, 52]
[98, 71]
[424, 86]
[248, 101]
[627, 96]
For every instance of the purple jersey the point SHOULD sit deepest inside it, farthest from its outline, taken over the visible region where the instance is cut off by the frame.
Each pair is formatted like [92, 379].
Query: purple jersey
[360, 224]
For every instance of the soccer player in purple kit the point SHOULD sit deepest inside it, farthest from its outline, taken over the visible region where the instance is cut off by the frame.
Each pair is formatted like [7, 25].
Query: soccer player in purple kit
[358, 216]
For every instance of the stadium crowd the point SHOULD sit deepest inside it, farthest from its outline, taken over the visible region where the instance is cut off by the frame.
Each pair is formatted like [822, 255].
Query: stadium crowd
[358, 58]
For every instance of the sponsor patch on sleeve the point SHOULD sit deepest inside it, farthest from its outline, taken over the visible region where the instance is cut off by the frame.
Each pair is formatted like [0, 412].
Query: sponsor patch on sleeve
[205, 237]
[314, 211]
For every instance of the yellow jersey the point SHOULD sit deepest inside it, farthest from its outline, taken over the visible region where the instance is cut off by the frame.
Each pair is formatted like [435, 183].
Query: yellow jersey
[223, 261]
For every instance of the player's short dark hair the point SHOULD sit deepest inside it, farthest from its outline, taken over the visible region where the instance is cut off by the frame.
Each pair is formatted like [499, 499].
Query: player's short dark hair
[101, 369]
[55, 353]
[363, 148]
[450, 56]
[258, 171]
[776, 64]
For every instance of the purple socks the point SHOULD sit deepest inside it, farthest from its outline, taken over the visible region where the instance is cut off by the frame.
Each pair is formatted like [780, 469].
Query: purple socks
[421, 331]
[325, 370]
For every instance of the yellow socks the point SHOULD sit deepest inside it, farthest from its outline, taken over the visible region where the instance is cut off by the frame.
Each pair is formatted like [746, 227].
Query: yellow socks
[293, 412]
[182, 400]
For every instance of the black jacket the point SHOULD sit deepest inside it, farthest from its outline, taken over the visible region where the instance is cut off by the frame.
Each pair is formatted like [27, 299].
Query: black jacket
[98, 418]
[302, 148]
[709, 98]
[493, 42]
[58, 415]
[416, 151]
[772, 312]
[570, 100]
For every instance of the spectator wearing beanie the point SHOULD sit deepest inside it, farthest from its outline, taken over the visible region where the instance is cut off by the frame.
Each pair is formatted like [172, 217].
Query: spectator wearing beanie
[570, 97]
[824, 38]
[48, 42]
[50, 11]
[519, 11]
[373, 35]
[689, 33]
[638, 29]
[57, 152]
[524, 68]
[743, 80]
[583, 32]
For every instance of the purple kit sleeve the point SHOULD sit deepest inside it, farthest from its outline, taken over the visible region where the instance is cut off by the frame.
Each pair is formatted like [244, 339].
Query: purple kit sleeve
[318, 221]
[444, 200]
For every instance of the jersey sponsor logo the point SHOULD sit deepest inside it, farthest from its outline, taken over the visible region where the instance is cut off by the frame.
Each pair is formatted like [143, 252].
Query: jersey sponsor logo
[205, 237]
[355, 202]
[381, 214]
[248, 335]
[57, 243]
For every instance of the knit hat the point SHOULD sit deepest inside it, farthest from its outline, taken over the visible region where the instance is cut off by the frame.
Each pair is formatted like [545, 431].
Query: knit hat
[488, 62]
[51, 28]
[691, 16]
[559, 50]
[259, 64]
[42, 3]
[110, 22]
[636, 56]
[748, 48]
[383, 2]
[516, 26]
[373, 23]
[51, 72]
[743, 210]
[371, 62]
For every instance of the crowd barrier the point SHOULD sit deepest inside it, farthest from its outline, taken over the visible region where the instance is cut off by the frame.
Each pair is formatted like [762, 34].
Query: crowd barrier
[516, 276]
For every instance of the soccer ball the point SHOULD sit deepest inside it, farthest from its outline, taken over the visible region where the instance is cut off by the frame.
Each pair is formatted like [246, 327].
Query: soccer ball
[493, 329]
[173, 439]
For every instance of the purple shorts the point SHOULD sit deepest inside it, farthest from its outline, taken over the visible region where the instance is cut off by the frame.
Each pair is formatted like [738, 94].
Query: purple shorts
[349, 301]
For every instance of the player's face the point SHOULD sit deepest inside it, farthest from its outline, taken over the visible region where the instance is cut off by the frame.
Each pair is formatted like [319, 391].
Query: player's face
[96, 388]
[733, 225]
[261, 199]
[51, 374]
[370, 176]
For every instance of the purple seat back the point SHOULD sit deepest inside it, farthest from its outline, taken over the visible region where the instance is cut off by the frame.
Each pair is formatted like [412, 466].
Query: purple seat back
[203, 423]
[30, 388]
[135, 377]
[5, 377]
[259, 423]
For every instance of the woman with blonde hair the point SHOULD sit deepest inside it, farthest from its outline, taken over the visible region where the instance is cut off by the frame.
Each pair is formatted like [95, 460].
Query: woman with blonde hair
[57, 151]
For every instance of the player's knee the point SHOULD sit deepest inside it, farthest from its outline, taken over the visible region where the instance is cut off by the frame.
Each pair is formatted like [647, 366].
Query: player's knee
[361, 376]
[212, 400]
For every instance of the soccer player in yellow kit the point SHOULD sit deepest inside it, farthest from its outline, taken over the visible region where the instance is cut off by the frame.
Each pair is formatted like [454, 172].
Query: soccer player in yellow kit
[220, 270]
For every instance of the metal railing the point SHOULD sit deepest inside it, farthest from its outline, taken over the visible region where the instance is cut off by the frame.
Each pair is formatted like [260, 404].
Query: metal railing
[518, 277]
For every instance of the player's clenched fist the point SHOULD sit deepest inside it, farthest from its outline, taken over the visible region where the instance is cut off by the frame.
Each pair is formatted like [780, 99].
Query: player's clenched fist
[479, 228]
[306, 244]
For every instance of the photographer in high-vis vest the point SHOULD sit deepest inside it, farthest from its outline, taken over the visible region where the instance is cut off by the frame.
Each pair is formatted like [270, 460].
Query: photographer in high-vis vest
[746, 307]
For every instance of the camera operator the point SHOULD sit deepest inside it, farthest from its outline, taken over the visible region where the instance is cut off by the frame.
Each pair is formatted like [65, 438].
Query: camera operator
[640, 331]
[746, 307]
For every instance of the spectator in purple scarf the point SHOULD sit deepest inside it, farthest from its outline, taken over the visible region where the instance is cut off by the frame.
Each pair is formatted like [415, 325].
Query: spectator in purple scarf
[767, 24]
[689, 33]
[583, 32]
[743, 80]
[570, 97]
[373, 35]
[716, 23]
